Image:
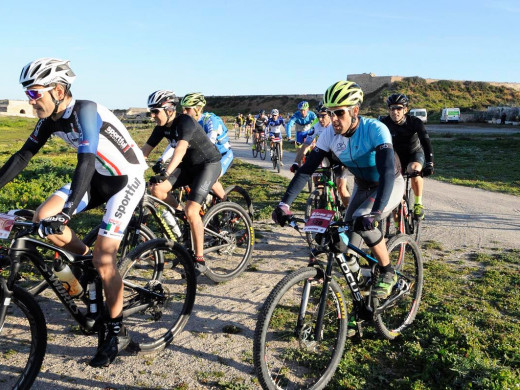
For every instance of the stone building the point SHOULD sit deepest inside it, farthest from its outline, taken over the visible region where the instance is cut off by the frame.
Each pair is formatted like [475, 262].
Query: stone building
[16, 108]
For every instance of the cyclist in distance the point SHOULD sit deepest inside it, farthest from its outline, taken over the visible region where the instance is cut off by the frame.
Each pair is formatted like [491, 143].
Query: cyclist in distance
[110, 169]
[193, 104]
[309, 143]
[260, 124]
[195, 162]
[411, 143]
[303, 120]
[250, 120]
[239, 120]
[274, 127]
[364, 146]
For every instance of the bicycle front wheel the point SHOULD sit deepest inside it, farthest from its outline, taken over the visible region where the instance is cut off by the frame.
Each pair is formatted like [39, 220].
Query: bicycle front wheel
[229, 239]
[23, 340]
[239, 195]
[263, 149]
[288, 351]
[157, 310]
[394, 314]
[278, 158]
[255, 150]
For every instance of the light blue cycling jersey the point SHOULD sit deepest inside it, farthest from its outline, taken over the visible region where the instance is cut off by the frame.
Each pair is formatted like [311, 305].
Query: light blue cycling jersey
[309, 119]
[358, 152]
[216, 131]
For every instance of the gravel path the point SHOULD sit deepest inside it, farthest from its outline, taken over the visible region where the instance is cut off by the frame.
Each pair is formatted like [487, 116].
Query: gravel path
[459, 218]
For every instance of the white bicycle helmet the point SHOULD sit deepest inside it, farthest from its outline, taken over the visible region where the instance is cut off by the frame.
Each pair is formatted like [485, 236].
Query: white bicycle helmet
[275, 112]
[47, 71]
[158, 98]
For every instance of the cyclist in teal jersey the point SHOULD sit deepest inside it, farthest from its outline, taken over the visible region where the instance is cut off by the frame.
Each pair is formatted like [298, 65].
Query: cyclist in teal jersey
[303, 120]
[364, 146]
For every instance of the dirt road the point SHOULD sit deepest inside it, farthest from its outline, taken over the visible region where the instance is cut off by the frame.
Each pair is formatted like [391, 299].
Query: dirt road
[203, 355]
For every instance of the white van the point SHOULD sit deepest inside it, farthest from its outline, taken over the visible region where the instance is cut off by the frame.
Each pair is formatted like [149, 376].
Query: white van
[450, 115]
[420, 113]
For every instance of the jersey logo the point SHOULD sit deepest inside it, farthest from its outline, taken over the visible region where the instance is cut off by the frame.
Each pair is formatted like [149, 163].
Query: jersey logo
[118, 139]
[340, 147]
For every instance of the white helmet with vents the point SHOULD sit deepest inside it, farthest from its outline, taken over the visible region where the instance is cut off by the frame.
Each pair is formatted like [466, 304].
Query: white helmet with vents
[47, 71]
[158, 98]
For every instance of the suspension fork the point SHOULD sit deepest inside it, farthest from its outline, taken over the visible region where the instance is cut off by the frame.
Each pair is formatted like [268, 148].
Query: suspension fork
[323, 298]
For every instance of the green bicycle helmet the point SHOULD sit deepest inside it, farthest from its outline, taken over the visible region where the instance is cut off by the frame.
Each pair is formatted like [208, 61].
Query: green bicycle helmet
[303, 105]
[193, 99]
[343, 93]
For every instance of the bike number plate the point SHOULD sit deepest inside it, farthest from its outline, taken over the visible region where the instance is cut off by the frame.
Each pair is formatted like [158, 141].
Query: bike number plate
[319, 221]
[6, 225]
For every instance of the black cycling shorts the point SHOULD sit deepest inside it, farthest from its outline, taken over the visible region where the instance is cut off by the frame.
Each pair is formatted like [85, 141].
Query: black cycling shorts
[417, 156]
[200, 178]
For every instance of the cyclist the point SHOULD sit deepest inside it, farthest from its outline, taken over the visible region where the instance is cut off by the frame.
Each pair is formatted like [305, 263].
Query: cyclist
[195, 162]
[110, 169]
[239, 120]
[364, 146]
[260, 124]
[249, 123]
[274, 127]
[411, 143]
[316, 130]
[193, 104]
[303, 120]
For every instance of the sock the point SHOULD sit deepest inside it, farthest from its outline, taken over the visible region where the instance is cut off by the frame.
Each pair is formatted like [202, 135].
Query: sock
[200, 259]
[418, 199]
[114, 325]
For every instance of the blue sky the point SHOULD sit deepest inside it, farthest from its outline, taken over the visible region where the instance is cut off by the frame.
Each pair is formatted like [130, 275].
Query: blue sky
[121, 51]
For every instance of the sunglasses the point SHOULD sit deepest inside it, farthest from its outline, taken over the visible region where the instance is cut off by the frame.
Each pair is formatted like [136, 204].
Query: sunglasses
[337, 113]
[156, 110]
[35, 94]
[396, 108]
[321, 116]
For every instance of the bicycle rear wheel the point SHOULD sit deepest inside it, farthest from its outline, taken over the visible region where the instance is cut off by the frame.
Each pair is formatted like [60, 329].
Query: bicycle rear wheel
[394, 314]
[23, 341]
[229, 240]
[286, 353]
[157, 310]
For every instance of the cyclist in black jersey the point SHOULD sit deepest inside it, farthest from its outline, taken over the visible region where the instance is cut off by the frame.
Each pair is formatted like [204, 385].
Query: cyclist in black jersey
[110, 169]
[195, 162]
[411, 143]
[260, 122]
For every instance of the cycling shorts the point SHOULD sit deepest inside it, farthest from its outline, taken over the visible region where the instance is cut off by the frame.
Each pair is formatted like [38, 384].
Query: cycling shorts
[200, 178]
[301, 132]
[226, 161]
[276, 134]
[122, 195]
[417, 156]
[259, 130]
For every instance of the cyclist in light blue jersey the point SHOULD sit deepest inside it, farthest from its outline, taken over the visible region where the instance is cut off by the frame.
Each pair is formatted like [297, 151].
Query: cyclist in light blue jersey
[274, 127]
[193, 104]
[364, 146]
[303, 120]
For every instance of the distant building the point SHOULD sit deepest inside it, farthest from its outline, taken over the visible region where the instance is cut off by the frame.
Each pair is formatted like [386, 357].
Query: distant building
[16, 108]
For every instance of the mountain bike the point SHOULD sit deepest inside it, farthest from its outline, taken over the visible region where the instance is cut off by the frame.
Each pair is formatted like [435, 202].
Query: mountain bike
[247, 133]
[302, 327]
[276, 152]
[403, 220]
[155, 307]
[325, 196]
[260, 146]
[237, 130]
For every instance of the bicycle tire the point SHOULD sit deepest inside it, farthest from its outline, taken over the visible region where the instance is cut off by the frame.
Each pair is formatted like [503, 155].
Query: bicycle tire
[285, 355]
[23, 333]
[263, 149]
[239, 195]
[152, 329]
[229, 241]
[255, 150]
[407, 260]
[278, 158]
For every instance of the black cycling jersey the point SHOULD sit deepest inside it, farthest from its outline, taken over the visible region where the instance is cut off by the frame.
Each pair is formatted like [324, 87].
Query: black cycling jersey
[261, 122]
[200, 150]
[409, 137]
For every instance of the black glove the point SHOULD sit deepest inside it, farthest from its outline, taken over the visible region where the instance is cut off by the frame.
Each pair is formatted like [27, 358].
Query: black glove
[294, 167]
[368, 221]
[281, 214]
[53, 225]
[428, 169]
[158, 168]
[158, 179]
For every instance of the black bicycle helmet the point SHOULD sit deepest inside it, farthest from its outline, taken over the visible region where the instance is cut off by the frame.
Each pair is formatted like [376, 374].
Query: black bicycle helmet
[397, 98]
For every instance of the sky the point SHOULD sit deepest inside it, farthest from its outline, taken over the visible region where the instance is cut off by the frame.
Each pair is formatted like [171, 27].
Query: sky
[122, 51]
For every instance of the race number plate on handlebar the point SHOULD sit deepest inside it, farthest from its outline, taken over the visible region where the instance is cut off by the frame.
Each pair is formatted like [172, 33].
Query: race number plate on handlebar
[319, 221]
[6, 225]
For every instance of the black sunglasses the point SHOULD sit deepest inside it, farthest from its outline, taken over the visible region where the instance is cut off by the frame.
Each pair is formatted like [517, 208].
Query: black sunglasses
[322, 116]
[396, 108]
[156, 110]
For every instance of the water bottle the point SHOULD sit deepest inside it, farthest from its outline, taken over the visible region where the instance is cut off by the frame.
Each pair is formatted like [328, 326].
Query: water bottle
[353, 265]
[172, 222]
[92, 307]
[69, 281]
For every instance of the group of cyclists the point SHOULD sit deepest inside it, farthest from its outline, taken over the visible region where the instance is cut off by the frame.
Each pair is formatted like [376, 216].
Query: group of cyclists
[111, 166]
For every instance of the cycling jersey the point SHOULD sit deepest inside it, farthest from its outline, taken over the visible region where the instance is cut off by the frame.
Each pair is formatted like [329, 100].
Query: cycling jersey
[260, 123]
[239, 120]
[200, 149]
[216, 131]
[297, 118]
[249, 120]
[315, 132]
[275, 126]
[409, 137]
[368, 155]
[102, 142]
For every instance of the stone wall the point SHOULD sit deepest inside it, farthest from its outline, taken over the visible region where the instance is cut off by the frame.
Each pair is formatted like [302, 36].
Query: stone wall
[16, 108]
